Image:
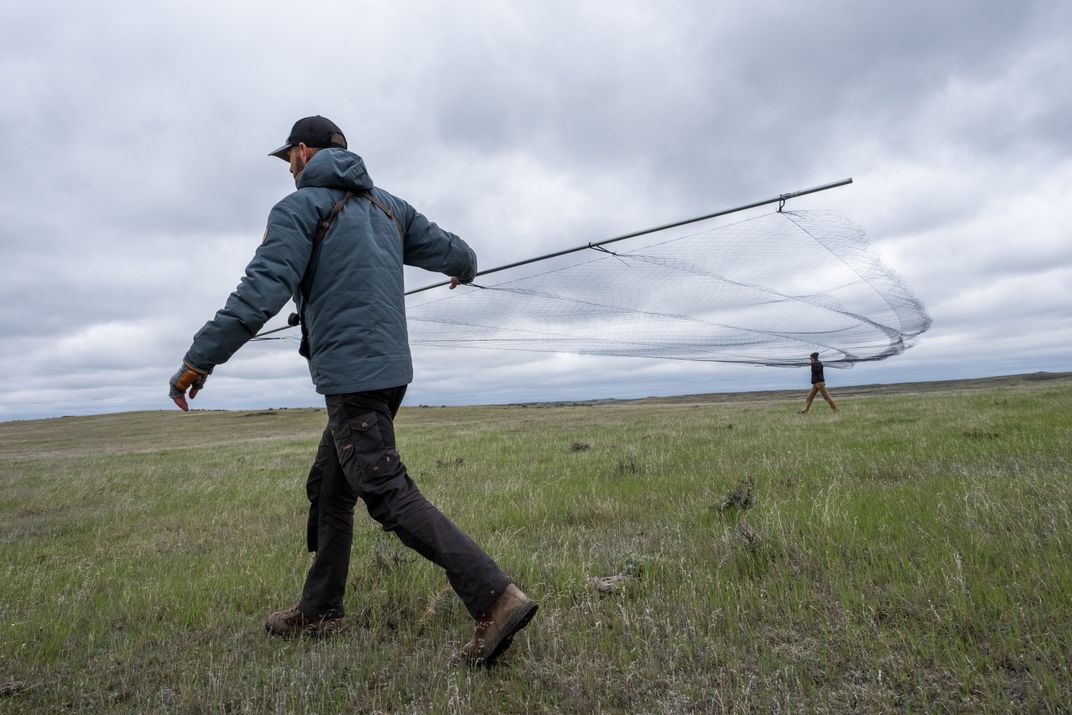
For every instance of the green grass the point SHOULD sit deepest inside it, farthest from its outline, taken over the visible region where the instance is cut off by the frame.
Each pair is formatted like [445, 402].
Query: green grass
[910, 554]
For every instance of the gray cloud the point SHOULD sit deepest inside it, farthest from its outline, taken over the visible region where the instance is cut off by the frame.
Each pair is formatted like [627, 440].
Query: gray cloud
[135, 183]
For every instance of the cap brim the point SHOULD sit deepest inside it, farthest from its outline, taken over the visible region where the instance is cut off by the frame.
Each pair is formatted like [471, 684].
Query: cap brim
[282, 152]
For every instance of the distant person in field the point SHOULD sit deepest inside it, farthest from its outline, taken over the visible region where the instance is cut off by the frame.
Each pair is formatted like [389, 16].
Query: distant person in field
[818, 385]
[347, 283]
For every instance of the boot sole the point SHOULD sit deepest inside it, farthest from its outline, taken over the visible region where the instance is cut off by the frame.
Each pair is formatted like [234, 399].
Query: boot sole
[519, 622]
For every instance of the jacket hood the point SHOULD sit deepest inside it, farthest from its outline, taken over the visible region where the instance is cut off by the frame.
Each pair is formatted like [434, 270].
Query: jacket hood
[335, 169]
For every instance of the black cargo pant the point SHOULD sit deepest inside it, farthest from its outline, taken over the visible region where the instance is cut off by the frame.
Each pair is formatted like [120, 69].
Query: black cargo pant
[357, 458]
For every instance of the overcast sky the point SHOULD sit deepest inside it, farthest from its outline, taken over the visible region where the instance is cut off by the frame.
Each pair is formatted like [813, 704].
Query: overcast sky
[135, 183]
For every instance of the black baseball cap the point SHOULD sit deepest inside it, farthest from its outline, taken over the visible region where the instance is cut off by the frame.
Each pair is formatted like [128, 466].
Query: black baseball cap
[318, 132]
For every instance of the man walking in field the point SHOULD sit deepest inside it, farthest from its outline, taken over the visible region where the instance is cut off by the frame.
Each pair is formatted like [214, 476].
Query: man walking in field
[337, 246]
[818, 385]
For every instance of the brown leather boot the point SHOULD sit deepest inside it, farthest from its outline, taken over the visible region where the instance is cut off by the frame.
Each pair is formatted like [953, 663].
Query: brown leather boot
[292, 623]
[495, 630]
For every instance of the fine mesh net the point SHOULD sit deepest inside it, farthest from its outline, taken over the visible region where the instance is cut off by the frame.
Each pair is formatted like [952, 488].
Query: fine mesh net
[766, 291]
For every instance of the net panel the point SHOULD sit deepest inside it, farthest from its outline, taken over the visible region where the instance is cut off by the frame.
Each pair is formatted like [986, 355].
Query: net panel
[767, 290]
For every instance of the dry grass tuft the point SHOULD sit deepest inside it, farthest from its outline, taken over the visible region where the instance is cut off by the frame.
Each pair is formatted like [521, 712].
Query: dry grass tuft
[742, 497]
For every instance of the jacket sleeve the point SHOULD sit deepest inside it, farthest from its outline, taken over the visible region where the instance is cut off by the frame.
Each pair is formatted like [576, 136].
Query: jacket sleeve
[271, 279]
[428, 246]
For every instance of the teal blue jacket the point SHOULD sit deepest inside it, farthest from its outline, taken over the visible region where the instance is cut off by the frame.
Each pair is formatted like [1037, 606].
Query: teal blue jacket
[356, 312]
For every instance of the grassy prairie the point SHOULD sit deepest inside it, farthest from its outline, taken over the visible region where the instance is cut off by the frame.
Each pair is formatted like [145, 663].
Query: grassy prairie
[910, 554]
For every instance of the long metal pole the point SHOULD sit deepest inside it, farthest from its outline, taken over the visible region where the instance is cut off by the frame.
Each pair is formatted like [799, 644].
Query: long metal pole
[764, 202]
[587, 246]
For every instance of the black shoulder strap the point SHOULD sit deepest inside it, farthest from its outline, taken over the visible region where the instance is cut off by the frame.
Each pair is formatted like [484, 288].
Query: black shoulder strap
[324, 226]
[367, 193]
[322, 229]
[310, 269]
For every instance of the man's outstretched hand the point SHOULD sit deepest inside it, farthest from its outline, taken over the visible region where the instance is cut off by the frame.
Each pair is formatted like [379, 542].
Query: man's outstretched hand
[187, 378]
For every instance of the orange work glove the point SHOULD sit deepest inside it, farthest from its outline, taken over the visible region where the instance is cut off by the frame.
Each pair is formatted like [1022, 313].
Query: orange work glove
[187, 378]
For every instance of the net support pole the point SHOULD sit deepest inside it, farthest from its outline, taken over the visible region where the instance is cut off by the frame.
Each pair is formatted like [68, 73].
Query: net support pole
[781, 198]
